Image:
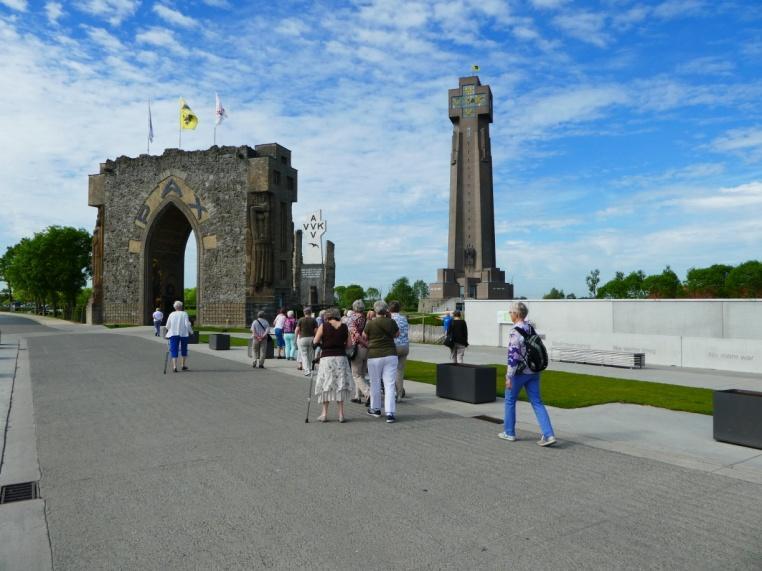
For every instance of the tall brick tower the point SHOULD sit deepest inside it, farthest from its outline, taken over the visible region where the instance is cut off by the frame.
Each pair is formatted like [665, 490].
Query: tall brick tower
[472, 271]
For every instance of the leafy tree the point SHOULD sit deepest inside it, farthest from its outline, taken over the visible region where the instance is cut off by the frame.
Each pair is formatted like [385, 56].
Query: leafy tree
[554, 294]
[338, 293]
[189, 297]
[50, 266]
[5, 264]
[26, 271]
[66, 256]
[634, 285]
[420, 289]
[663, 286]
[349, 294]
[403, 292]
[593, 279]
[372, 294]
[707, 282]
[571, 296]
[745, 280]
[613, 289]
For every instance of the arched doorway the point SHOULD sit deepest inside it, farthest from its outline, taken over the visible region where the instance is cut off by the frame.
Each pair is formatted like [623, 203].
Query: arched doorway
[164, 269]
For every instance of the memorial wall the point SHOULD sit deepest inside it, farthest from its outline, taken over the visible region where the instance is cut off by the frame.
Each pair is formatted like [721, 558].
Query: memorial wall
[711, 334]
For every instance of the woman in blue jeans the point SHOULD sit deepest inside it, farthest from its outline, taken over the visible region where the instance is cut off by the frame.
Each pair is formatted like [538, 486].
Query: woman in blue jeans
[517, 377]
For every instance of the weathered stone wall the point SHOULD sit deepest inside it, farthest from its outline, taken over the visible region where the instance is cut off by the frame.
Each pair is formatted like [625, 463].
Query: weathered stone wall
[212, 189]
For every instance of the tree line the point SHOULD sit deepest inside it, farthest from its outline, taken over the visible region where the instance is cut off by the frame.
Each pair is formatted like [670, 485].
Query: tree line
[50, 268]
[401, 290]
[716, 281]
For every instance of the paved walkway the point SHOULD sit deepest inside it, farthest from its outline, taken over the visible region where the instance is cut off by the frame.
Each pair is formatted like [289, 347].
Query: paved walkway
[215, 468]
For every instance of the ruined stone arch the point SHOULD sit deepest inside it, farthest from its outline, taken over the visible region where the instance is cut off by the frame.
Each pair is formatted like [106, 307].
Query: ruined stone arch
[172, 216]
[237, 201]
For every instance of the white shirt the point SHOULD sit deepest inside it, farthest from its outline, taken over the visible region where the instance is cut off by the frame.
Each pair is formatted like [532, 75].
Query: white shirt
[280, 319]
[259, 327]
[178, 323]
[158, 316]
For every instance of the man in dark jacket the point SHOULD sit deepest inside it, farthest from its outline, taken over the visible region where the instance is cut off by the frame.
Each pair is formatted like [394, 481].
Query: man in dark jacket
[459, 333]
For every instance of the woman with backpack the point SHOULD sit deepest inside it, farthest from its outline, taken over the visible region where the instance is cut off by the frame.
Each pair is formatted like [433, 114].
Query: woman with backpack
[520, 375]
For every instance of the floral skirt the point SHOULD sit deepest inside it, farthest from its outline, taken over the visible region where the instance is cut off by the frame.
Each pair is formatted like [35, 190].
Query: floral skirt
[334, 380]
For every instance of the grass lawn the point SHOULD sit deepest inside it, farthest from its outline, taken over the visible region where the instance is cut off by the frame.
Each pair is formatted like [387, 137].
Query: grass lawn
[234, 341]
[572, 390]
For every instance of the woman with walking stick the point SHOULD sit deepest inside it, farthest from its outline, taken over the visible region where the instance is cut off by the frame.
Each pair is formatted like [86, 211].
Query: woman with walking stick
[334, 378]
[178, 330]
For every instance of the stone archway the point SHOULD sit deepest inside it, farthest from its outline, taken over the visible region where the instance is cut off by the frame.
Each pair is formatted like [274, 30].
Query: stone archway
[236, 200]
[164, 259]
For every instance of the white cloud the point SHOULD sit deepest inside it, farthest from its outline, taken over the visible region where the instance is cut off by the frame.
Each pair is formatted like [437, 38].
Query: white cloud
[19, 5]
[174, 17]
[54, 11]
[741, 196]
[689, 172]
[746, 142]
[104, 38]
[217, 3]
[113, 11]
[679, 8]
[548, 4]
[631, 17]
[399, 14]
[536, 113]
[709, 65]
[292, 27]
[584, 26]
[159, 37]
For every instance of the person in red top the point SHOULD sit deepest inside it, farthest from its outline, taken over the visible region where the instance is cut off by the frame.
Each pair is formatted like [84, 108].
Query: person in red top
[356, 325]
[334, 379]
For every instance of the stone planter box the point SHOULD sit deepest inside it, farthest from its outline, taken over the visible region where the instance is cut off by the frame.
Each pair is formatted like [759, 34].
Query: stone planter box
[738, 417]
[193, 339]
[466, 383]
[219, 341]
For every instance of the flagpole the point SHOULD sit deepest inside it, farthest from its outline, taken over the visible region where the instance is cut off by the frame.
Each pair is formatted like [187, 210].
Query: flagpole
[150, 126]
[215, 134]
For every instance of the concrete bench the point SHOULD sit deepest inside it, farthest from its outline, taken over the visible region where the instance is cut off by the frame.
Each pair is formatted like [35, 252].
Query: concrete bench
[598, 357]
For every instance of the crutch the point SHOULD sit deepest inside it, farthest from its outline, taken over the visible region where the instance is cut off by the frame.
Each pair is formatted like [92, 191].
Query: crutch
[166, 360]
[309, 393]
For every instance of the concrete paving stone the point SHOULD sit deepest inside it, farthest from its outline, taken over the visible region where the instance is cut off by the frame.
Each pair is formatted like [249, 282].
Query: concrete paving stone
[216, 468]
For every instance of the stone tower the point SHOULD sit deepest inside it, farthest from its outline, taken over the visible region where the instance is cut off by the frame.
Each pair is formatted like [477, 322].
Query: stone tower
[471, 270]
[236, 200]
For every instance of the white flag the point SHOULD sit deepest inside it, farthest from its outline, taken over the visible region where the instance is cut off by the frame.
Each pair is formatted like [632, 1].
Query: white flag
[219, 111]
[150, 124]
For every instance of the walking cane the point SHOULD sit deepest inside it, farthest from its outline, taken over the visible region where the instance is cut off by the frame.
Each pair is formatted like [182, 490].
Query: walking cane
[166, 360]
[309, 392]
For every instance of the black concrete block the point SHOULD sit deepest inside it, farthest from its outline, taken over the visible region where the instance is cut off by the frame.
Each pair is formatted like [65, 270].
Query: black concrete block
[738, 417]
[219, 341]
[466, 383]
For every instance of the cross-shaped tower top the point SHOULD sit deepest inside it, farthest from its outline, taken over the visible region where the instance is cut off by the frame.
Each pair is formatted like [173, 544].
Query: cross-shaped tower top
[470, 100]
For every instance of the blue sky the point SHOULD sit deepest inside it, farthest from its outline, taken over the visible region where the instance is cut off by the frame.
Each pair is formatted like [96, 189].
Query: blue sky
[627, 135]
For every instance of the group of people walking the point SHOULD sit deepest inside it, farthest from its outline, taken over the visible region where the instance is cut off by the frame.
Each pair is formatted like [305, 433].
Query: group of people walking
[349, 346]
[376, 343]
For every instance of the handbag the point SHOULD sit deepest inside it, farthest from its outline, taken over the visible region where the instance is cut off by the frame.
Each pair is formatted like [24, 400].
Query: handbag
[448, 341]
[352, 352]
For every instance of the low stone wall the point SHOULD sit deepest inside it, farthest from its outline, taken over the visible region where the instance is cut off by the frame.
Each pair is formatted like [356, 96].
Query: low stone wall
[426, 333]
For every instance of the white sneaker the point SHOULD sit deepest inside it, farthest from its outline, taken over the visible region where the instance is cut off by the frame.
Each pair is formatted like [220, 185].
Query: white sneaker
[549, 441]
[507, 437]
